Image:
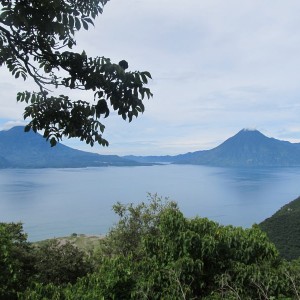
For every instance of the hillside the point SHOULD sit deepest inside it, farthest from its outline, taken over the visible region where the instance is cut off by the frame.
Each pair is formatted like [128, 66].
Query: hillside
[248, 148]
[283, 229]
[30, 150]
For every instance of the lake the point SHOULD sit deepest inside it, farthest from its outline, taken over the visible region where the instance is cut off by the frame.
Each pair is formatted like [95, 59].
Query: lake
[59, 202]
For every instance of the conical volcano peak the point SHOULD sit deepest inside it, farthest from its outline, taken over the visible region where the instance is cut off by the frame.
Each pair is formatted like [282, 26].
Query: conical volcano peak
[246, 134]
[249, 129]
[247, 148]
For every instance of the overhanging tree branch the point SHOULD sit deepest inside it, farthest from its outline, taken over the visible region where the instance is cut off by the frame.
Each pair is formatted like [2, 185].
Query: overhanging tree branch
[33, 35]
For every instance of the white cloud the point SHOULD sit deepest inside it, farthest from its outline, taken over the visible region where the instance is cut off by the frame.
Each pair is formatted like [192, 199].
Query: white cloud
[9, 124]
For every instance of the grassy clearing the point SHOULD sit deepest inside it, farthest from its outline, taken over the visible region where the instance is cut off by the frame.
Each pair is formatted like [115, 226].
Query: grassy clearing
[84, 242]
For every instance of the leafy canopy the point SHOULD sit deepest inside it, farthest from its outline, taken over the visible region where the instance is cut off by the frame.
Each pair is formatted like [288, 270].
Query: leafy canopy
[16, 261]
[36, 40]
[154, 252]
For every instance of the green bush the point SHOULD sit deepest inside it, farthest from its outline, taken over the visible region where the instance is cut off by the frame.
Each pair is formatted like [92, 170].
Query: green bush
[16, 260]
[60, 262]
[154, 252]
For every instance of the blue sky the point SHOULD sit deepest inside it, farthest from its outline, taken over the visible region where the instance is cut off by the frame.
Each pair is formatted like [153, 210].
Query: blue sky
[217, 66]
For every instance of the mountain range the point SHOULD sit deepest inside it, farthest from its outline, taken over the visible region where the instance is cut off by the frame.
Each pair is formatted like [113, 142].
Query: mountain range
[248, 148]
[30, 150]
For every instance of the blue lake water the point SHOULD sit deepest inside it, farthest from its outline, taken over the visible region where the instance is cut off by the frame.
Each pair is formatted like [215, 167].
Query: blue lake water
[58, 202]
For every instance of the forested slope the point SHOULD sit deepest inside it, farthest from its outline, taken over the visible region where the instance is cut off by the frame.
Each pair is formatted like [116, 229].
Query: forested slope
[283, 229]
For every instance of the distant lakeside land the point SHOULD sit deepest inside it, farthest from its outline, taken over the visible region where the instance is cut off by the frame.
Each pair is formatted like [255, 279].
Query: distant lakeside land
[248, 148]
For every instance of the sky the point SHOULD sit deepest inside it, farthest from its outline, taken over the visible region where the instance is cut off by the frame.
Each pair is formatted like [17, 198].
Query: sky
[217, 67]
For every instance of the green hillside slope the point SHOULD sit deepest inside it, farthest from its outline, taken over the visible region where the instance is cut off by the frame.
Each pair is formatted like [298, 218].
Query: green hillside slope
[283, 229]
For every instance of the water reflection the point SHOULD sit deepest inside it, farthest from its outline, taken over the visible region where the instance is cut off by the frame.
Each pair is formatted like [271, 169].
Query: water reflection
[56, 202]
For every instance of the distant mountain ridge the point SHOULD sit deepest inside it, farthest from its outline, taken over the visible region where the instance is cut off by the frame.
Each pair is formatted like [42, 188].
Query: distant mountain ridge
[29, 150]
[248, 148]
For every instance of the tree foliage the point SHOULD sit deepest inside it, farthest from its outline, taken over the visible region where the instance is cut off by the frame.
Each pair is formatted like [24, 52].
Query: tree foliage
[135, 222]
[154, 252]
[36, 40]
[23, 264]
[16, 260]
[60, 263]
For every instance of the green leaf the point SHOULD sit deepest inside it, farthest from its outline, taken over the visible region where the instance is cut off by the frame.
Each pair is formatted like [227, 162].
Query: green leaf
[77, 23]
[149, 94]
[70, 44]
[27, 96]
[33, 98]
[5, 14]
[53, 142]
[65, 19]
[20, 96]
[71, 21]
[137, 79]
[89, 20]
[85, 24]
[102, 127]
[144, 78]
[147, 74]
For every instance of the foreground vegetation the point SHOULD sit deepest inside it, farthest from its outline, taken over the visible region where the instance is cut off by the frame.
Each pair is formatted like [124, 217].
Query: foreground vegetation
[283, 229]
[154, 252]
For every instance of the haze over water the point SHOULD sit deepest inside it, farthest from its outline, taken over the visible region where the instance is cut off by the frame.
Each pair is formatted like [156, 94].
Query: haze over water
[58, 202]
